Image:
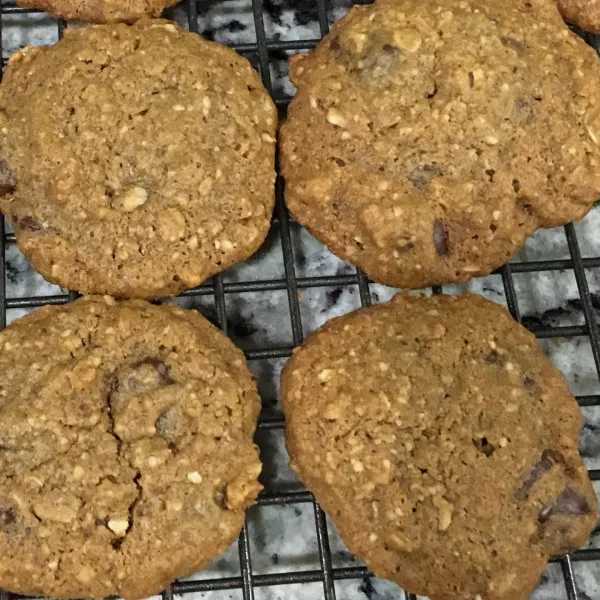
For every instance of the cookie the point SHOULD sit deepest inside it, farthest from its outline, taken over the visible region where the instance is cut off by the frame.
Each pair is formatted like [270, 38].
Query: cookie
[428, 139]
[137, 161]
[442, 443]
[583, 13]
[126, 454]
[100, 11]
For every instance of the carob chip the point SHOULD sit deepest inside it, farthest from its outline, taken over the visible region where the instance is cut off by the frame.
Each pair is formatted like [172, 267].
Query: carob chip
[568, 503]
[440, 238]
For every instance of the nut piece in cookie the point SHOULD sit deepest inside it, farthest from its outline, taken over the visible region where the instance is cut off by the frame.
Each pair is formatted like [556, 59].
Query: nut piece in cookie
[417, 144]
[440, 440]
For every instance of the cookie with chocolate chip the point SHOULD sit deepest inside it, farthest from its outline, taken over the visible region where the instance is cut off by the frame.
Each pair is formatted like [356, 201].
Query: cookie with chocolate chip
[583, 13]
[418, 146]
[126, 453]
[100, 11]
[442, 443]
[136, 161]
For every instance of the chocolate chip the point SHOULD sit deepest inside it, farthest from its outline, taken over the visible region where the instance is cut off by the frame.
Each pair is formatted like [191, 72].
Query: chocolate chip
[8, 181]
[524, 205]
[492, 357]
[8, 517]
[440, 238]
[568, 502]
[513, 43]
[516, 185]
[117, 542]
[522, 112]
[220, 497]
[389, 49]
[484, 446]
[334, 44]
[29, 224]
[340, 162]
[529, 383]
[541, 467]
[471, 79]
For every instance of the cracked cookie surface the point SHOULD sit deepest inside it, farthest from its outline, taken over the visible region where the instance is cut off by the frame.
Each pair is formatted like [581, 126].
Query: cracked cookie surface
[126, 453]
[135, 161]
[428, 139]
[583, 13]
[442, 443]
[100, 11]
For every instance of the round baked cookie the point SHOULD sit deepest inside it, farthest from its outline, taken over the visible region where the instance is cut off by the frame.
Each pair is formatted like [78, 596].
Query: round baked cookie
[583, 13]
[126, 453]
[100, 11]
[138, 160]
[443, 445]
[428, 139]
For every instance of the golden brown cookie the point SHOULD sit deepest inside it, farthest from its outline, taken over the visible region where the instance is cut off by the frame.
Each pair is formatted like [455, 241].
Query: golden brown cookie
[428, 139]
[583, 13]
[100, 11]
[136, 160]
[126, 454]
[442, 443]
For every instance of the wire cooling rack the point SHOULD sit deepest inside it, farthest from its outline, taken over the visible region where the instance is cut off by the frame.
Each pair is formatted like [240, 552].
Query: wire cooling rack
[245, 583]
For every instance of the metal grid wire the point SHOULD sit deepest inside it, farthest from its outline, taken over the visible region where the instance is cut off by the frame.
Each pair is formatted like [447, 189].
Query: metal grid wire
[261, 53]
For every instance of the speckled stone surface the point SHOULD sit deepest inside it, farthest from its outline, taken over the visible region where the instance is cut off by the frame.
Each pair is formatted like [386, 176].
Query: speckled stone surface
[283, 538]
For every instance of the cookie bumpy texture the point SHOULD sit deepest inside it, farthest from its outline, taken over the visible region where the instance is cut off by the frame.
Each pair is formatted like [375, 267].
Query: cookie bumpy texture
[100, 11]
[126, 453]
[583, 13]
[442, 443]
[137, 160]
[428, 139]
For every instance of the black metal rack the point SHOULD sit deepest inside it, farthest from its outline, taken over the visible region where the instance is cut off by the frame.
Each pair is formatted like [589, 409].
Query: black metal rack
[261, 53]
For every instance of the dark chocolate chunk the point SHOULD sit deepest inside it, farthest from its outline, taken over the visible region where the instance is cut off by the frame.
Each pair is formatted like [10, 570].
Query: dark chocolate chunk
[421, 175]
[516, 185]
[541, 467]
[8, 181]
[568, 502]
[529, 383]
[440, 238]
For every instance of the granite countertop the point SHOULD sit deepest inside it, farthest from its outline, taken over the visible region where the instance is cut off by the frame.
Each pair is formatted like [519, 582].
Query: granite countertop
[283, 538]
